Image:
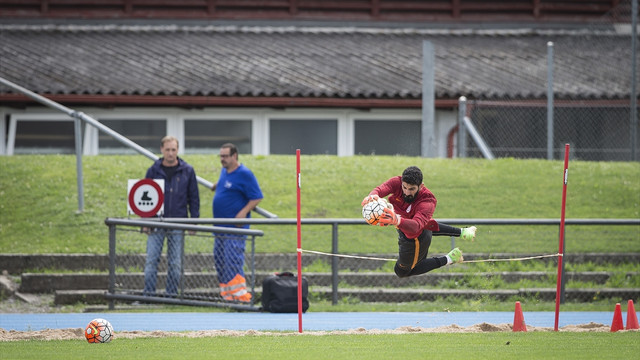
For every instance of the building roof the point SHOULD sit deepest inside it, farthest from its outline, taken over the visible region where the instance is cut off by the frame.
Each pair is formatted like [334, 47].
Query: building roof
[343, 10]
[309, 62]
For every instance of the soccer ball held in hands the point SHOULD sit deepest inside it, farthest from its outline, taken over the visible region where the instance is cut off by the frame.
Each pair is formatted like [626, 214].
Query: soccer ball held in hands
[373, 210]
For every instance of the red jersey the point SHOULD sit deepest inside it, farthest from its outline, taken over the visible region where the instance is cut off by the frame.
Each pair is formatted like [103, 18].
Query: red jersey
[417, 216]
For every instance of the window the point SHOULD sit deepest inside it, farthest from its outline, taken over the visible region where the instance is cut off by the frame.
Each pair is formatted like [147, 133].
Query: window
[384, 137]
[310, 136]
[206, 136]
[44, 137]
[146, 133]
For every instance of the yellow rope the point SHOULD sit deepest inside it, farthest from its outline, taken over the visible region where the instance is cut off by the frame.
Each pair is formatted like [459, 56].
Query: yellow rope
[346, 256]
[513, 259]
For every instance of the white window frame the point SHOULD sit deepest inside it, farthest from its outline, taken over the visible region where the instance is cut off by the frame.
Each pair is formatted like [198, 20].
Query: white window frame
[3, 132]
[258, 126]
[260, 122]
[92, 146]
[27, 116]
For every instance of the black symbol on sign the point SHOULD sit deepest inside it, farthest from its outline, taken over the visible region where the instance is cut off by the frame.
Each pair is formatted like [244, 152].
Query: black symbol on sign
[145, 199]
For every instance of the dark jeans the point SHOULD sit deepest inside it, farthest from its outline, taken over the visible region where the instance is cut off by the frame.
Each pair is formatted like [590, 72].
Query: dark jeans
[155, 240]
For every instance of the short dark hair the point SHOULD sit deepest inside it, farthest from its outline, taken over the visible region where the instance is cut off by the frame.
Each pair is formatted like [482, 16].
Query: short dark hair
[232, 148]
[412, 175]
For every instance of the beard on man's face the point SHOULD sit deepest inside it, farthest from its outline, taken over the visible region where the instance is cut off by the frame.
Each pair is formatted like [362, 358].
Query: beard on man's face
[408, 198]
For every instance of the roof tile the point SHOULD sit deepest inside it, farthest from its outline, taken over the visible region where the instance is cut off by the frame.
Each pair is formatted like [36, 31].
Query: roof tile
[309, 62]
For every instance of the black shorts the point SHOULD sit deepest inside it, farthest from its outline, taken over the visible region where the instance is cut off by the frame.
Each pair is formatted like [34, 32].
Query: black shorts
[412, 251]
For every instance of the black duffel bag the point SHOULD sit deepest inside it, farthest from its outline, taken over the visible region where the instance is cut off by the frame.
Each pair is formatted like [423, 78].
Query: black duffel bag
[280, 293]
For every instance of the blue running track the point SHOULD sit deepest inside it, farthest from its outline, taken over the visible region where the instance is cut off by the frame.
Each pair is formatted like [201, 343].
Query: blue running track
[312, 321]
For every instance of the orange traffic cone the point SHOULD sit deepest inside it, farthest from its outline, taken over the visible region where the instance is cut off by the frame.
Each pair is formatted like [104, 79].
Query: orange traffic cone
[518, 319]
[616, 324]
[632, 318]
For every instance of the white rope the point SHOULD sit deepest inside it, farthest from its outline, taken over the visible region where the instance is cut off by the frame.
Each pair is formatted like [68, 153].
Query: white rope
[513, 259]
[346, 256]
[465, 261]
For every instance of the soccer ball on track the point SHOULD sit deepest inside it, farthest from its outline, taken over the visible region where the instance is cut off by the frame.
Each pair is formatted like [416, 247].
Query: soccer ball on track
[98, 331]
[373, 210]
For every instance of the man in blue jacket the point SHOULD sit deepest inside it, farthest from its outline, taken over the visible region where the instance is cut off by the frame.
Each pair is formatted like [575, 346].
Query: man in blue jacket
[180, 198]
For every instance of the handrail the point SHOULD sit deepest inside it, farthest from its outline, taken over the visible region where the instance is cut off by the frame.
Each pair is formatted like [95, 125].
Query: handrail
[475, 135]
[166, 224]
[334, 222]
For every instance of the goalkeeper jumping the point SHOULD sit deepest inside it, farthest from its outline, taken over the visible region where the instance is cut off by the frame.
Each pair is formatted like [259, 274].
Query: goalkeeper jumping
[412, 215]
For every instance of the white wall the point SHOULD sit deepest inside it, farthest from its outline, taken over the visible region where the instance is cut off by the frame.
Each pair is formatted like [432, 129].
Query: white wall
[174, 117]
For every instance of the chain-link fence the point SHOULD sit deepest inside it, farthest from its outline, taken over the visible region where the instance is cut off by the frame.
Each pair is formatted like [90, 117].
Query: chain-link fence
[595, 133]
[200, 265]
[496, 274]
[591, 108]
[360, 274]
[352, 277]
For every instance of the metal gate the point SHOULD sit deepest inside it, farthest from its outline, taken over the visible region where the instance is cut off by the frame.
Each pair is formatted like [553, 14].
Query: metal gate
[192, 277]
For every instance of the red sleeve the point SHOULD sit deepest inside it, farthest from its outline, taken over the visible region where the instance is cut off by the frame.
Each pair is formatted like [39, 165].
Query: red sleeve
[422, 218]
[388, 187]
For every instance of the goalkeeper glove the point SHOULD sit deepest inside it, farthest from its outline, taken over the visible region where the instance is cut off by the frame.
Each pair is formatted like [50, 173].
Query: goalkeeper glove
[369, 198]
[389, 217]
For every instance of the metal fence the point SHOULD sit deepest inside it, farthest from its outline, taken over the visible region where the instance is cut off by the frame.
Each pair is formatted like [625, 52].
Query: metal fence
[596, 131]
[600, 123]
[197, 282]
[340, 277]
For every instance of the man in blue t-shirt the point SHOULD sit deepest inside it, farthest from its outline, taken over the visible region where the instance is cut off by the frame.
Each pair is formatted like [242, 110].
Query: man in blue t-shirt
[237, 193]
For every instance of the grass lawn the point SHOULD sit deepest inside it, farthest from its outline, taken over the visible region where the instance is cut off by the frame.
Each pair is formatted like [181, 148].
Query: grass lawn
[493, 345]
[38, 200]
[38, 212]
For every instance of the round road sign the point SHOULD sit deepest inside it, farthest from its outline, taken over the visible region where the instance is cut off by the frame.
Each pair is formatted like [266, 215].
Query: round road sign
[146, 198]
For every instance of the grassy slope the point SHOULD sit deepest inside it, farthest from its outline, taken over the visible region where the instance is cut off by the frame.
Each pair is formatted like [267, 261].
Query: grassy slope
[38, 200]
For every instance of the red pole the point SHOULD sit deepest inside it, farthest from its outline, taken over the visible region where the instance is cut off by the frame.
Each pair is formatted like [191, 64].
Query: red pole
[561, 245]
[299, 249]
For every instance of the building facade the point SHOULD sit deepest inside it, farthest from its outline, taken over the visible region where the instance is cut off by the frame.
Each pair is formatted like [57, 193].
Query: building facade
[342, 81]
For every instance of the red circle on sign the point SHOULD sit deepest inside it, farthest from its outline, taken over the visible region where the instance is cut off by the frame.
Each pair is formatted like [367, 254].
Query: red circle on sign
[132, 201]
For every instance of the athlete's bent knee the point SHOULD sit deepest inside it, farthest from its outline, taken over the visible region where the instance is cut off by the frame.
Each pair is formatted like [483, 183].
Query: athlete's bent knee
[402, 270]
